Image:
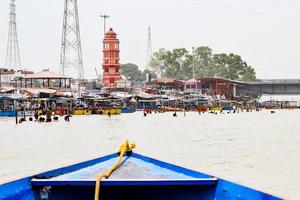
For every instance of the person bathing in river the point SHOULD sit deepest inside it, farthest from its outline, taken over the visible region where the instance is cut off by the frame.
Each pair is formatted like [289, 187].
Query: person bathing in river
[48, 116]
[36, 115]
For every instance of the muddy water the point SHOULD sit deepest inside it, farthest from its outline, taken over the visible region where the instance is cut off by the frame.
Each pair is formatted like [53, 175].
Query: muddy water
[257, 149]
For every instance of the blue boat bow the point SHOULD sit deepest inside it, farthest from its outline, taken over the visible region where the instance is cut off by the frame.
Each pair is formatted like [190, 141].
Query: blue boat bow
[138, 177]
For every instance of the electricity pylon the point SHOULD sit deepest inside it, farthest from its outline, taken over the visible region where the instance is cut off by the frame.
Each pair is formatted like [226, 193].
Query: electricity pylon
[13, 60]
[149, 49]
[71, 53]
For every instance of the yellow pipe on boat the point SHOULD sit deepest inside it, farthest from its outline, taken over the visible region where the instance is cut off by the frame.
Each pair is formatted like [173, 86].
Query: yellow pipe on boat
[123, 149]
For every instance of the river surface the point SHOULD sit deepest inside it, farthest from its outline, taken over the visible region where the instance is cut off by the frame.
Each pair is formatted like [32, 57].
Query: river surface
[257, 149]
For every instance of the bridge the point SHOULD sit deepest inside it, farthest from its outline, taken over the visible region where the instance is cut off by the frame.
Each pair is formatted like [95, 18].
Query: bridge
[269, 86]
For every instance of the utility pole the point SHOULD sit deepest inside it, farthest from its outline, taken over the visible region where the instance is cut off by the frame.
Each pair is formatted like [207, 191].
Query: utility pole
[97, 75]
[105, 17]
[149, 48]
[0, 80]
[193, 63]
[71, 52]
[13, 60]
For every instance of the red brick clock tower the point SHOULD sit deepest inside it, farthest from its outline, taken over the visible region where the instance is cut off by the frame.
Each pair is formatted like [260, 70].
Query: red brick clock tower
[111, 57]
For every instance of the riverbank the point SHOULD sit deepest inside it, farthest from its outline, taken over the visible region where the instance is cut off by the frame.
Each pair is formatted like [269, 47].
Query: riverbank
[258, 149]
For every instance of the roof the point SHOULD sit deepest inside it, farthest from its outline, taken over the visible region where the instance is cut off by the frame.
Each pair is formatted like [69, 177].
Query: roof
[191, 81]
[42, 90]
[45, 74]
[145, 96]
[275, 81]
[7, 71]
[111, 34]
[220, 79]
[7, 89]
[168, 80]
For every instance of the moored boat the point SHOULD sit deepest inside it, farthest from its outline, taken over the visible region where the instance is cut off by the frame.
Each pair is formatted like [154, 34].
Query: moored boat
[81, 111]
[112, 111]
[7, 113]
[127, 175]
[128, 110]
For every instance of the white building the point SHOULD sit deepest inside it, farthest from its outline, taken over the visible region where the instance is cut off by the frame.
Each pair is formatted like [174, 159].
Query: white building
[7, 76]
[124, 84]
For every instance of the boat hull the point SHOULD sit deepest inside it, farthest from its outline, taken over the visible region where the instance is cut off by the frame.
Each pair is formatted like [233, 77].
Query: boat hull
[81, 112]
[128, 110]
[11, 113]
[138, 177]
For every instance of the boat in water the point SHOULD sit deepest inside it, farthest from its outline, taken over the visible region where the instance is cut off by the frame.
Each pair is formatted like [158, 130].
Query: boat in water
[128, 110]
[127, 175]
[7, 113]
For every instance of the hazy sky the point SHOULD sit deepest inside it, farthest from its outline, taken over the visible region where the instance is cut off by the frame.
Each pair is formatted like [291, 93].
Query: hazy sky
[266, 33]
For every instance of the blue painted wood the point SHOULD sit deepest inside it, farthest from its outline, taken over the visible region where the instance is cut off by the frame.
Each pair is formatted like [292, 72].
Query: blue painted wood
[20, 189]
[207, 188]
[128, 110]
[132, 193]
[198, 182]
[9, 113]
[147, 106]
[227, 108]
[75, 167]
[228, 190]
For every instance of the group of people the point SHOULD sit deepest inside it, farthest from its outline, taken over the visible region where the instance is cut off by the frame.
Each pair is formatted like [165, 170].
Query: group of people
[49, 117]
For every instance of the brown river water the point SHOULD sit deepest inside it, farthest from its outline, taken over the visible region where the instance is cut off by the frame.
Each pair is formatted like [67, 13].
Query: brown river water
[257, 149]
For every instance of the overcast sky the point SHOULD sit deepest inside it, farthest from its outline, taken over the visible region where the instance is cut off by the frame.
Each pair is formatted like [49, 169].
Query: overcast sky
[266, 33]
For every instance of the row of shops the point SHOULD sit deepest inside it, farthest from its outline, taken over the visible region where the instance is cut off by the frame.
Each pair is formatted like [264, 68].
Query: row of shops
[215, 87]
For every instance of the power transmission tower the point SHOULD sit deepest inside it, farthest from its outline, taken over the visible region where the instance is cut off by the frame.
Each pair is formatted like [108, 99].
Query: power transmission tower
[104, 23]
[71, 53]
[149, 48]
[13, 60]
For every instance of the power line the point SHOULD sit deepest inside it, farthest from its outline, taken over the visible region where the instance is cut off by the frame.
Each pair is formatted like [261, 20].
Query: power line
[272, 3]
[243, 10]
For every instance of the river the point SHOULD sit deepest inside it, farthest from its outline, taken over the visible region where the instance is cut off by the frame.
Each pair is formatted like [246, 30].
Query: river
[258, 149]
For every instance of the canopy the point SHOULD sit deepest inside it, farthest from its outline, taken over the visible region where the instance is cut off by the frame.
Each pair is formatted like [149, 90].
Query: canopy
[45, 75]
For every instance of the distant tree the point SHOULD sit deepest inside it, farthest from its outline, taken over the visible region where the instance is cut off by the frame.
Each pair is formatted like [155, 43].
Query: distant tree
[203, 61]
[171, 63]
[151, 73]
[131, 72]
[158, 62]
[179, 64]
[248, 74]
[220, 64]
[233, 67]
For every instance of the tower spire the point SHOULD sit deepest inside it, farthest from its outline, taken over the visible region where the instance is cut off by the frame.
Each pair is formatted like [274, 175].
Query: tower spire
[149, 48]
[13, 60]
[111, 59]
[71, 53]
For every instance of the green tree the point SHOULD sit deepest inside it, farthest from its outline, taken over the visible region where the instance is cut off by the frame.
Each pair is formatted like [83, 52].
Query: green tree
[219, 63]
[179, 64]
[158, 62]
[172, 64]
[233, 67]
[131, 72]
[203, 62]
[152, 74]
[248, 74]
[175, 63]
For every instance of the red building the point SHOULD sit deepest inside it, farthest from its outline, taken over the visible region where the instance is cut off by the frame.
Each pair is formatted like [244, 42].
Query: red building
[111, 57]
[219, 87]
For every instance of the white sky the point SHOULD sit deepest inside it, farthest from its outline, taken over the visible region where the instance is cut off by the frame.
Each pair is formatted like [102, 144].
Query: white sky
[266, 33]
